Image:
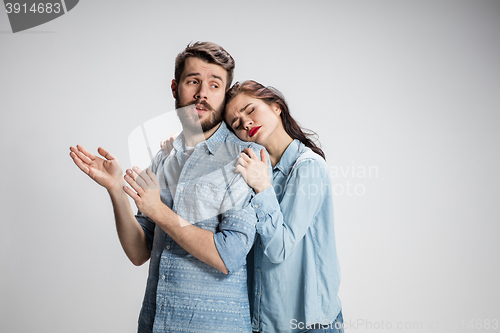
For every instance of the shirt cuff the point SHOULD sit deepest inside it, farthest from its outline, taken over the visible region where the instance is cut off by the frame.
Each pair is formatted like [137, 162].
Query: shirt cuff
[231, 249]
[264, 204]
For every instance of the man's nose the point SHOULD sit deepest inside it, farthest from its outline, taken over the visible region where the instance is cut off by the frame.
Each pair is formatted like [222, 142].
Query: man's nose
[202, 92]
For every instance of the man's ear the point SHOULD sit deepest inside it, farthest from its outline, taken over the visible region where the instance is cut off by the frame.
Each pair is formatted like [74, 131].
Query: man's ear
[173, 86]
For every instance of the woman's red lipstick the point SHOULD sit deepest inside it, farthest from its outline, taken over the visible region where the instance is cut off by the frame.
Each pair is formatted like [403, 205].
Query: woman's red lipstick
[254, 130]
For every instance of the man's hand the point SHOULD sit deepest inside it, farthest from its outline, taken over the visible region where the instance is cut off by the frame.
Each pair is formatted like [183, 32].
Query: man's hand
[253, 170]
[105, 171]
[146, 191]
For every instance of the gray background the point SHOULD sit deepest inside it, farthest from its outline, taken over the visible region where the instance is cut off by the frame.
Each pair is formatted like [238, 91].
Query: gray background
[406, 89]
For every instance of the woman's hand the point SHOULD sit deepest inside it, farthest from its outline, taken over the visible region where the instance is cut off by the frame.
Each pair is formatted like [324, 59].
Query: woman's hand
[254, 170]
[146, 191]
[168, 145]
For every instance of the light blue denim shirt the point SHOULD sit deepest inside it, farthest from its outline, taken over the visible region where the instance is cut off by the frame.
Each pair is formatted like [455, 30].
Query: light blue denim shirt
[297, 276]
[183, 294]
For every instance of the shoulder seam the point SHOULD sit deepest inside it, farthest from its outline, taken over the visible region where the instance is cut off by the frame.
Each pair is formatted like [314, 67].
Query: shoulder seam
[307, 156]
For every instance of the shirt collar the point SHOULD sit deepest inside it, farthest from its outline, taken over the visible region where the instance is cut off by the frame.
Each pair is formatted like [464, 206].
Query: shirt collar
[219, 136]
[292, 152]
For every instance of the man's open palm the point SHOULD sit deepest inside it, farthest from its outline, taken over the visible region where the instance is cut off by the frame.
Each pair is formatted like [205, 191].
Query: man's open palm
[105, 171]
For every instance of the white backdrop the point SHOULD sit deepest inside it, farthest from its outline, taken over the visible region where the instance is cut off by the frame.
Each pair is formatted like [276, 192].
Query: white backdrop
[403, 95]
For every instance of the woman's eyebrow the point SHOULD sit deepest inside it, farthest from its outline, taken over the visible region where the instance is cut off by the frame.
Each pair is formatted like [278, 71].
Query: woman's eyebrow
[243, 109]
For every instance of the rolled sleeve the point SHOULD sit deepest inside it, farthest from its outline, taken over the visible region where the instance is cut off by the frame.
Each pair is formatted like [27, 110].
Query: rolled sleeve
[236, 231]
[148, 226]
[236, 237]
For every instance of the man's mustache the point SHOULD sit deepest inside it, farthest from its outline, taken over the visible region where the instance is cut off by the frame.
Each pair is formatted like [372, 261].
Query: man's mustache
[202, 102]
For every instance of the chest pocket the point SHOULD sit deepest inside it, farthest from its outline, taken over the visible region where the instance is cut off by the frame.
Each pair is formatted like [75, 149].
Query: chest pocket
[211, 194]
[202, 199]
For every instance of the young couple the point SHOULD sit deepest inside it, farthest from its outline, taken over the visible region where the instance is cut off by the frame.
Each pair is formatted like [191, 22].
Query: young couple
[198, 219]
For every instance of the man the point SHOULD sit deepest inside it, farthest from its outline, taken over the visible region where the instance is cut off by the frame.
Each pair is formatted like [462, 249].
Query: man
[197, 276]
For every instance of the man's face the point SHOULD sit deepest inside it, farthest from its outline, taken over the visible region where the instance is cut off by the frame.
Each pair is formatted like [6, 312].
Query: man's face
[202, 86]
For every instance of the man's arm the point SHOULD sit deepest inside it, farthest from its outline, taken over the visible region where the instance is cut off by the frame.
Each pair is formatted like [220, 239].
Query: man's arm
[107, 172]
[197, 241]
[130, 232]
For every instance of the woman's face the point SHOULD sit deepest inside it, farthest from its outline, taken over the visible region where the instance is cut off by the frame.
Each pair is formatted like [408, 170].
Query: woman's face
[252, 119]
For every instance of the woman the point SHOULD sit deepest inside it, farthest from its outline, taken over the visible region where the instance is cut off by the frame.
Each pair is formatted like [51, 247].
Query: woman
[296, 275]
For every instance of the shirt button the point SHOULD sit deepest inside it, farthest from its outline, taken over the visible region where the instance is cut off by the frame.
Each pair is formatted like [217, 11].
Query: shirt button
[168, 247]
[163, 277]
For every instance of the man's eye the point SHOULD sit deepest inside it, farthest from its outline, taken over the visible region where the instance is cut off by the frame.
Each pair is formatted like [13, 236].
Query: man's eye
[215, 86]
[192, 82]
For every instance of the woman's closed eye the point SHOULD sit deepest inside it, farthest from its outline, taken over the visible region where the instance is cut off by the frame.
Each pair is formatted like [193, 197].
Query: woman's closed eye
[236, 126]
[238, 123]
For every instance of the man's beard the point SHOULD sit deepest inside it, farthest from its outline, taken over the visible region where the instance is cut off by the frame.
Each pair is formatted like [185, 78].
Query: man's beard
[191, 121]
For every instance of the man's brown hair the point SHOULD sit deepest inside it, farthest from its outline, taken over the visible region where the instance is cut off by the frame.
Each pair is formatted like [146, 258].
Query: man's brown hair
[209, 52]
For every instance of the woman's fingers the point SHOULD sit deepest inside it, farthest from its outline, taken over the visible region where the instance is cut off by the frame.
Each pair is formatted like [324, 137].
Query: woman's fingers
[263, 156]
[245, 157]
[248, 156]
[168, 145]
[242, 170]
[242, 161]
[250, 153]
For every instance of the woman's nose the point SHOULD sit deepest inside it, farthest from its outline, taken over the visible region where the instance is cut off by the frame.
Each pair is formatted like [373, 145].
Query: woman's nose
[248, 123]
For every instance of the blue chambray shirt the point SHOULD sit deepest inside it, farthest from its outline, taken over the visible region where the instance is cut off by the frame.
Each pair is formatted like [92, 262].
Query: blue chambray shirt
[294, 282]
[183, 294]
